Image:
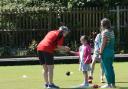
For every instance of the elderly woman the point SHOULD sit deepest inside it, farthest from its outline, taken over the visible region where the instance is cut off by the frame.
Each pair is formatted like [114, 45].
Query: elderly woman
[107, 52]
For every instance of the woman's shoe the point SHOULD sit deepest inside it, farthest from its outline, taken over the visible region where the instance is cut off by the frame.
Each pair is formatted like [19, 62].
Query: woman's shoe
[106, 86]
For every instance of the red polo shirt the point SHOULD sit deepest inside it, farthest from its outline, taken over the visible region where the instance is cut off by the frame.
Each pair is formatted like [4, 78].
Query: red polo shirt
[47, 44]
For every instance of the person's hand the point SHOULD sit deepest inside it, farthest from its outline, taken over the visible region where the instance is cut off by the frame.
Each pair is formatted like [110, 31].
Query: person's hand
[66, 48]
[100, 51]
[100, 57]
[72, 52]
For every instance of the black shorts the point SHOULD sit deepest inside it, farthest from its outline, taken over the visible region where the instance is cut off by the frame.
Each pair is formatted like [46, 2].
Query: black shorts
[45, 58]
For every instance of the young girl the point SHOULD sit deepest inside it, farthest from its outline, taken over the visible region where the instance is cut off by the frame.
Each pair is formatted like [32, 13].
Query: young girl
[85, 59]
[96, 57]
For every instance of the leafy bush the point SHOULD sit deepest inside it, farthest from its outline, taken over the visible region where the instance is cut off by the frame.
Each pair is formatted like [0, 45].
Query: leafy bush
[5, 51]
[32, 48]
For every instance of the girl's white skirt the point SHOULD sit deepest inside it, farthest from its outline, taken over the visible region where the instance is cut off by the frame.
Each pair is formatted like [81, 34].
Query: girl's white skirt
[84, 67]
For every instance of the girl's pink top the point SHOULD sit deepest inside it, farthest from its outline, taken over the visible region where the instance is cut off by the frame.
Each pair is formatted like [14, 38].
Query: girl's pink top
[85, 50]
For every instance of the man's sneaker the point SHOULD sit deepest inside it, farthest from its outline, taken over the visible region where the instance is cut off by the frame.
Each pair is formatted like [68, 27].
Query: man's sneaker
[46, 86]
[52, 86]
[106, 86]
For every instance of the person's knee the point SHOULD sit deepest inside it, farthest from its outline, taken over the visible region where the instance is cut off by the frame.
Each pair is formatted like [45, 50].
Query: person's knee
[50, 68]
[45, 70]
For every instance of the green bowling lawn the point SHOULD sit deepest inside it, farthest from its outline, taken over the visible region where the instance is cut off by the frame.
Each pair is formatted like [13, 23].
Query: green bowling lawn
[29, 77]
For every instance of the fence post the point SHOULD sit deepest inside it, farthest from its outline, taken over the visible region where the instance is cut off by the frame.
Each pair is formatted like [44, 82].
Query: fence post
[1, 14]
[49, 19]
[118, 24]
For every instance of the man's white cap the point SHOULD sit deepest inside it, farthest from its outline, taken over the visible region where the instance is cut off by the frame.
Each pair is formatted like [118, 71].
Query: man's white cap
[64, 28]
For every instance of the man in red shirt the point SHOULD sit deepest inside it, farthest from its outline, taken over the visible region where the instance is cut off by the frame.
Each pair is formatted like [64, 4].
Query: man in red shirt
[51, 42]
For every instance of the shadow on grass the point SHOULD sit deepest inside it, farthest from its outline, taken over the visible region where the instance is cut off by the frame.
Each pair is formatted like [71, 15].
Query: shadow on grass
[121, 88]
[97, 88]
[76, 88]
[121, 82]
